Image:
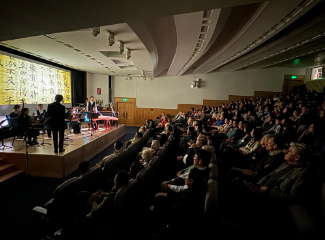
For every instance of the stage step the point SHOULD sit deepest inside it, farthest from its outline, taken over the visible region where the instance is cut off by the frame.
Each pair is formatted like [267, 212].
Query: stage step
[2, 161]
[10, 175]
[6, 168]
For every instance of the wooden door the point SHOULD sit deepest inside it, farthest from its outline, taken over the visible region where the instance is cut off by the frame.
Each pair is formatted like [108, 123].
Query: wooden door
[289, 84]
[130, 112]
[126, 113]
[122, 109]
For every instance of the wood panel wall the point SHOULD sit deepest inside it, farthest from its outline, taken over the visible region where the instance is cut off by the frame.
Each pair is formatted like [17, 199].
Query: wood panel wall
[141, 114]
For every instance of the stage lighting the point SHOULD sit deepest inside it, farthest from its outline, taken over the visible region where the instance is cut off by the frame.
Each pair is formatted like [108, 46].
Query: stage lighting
[96, 31]
[128, 77]
[121, 48]
[144, 78]
[111, 39]
[128, 53]
[196, 83]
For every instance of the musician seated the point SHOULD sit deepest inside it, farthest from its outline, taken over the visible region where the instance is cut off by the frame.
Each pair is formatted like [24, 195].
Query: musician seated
[25, 124]
[95, 110]
[74, 121]
[16, 111]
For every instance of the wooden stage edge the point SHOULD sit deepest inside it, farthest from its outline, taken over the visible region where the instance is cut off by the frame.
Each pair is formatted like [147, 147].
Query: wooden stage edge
[43, 162]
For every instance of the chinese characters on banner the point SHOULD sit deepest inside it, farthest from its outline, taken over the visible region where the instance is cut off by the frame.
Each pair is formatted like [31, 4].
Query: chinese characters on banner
[34, 82]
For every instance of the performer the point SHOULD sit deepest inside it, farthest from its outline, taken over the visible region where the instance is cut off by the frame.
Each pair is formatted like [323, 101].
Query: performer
[40, 112]
[57, 113]
[90, 104]
[74, 122]
[25, 123]
[86, 101]
[16, 111]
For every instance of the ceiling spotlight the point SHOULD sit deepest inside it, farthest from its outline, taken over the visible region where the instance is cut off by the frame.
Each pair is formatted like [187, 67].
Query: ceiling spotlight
[121, 48]
[96, 31]
[111, 39]
[144, 78]
[128, 77]
[128, 53]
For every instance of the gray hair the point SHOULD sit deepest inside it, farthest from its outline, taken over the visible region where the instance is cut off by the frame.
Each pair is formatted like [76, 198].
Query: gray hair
[302, 150]
[267, 137]
[147, 155]
[155, 145]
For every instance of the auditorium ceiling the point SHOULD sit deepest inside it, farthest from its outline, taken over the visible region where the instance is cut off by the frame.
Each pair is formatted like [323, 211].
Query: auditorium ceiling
[168, 37]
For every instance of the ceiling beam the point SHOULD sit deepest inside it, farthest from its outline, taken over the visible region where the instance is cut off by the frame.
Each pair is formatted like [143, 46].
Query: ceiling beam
[20, 19]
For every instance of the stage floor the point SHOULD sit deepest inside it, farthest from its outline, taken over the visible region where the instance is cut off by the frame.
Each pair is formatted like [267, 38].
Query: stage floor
[43, 162]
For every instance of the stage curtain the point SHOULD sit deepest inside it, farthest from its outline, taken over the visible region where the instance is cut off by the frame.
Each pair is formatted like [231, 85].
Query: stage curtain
[78, 87]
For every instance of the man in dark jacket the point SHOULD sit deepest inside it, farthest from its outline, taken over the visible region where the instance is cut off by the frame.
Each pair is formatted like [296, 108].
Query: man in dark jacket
[57, 113]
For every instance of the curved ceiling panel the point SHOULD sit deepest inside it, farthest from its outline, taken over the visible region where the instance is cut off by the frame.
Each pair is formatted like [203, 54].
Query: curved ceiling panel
[194, 31]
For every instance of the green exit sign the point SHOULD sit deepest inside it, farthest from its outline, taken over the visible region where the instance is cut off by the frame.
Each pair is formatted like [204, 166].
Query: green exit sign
[124, 99]
[293, 77]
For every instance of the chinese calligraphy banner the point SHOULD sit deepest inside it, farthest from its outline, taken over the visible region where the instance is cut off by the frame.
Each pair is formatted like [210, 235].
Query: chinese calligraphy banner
[36, 83]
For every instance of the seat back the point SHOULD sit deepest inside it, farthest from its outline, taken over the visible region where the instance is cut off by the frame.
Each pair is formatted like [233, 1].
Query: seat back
[127, 197]
[213, 171]
[91, 180]
[110, 168]
[68, 190]
[211, 199]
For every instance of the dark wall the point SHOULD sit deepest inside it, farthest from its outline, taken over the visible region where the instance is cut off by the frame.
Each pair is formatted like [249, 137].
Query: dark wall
[78, 78]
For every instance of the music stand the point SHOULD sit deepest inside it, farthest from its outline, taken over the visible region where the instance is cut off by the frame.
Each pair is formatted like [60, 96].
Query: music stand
[68, 129]
[43, 121]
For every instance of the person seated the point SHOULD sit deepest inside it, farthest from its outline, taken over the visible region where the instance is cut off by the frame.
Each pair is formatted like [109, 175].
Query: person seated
[146, 157]
[212, 151]
[162, 139]
[268, 123]
[154, 147]
[293, 182]
[117, 149]
[275, 129]
[16, 111]
[162, 123]
[188, 203]
[74, 122]
[137, 136]
[25, 123]
[201, 161]
[83, 168]
[266, 165]
[100, 204]
[308, 137]
[135, 168]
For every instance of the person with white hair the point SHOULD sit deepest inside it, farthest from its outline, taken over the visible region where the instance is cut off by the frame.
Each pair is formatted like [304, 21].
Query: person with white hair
[146, 157]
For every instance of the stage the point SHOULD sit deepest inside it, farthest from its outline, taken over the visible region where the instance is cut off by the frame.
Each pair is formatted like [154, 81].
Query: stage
[43, 162]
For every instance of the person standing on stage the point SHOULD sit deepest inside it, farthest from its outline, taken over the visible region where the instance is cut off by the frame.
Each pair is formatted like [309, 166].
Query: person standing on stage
[57, 113]
[16, 111]
[86, 101]
[90, 104]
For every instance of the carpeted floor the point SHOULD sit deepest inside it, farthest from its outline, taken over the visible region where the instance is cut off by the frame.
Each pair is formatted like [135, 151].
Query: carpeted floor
[20, 195]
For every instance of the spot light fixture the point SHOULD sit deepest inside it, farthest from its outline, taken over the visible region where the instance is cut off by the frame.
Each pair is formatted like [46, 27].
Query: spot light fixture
[195, 83]
[96, 31]
[128, 53]
[111, 39]
[121, 48]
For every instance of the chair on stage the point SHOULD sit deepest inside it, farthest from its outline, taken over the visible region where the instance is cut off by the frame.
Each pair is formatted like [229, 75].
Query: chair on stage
[14, 127]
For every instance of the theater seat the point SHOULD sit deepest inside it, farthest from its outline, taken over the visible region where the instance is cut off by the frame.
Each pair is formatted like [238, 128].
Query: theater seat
[64, 198]
[110, 168]
[91, 180]
[213, 171]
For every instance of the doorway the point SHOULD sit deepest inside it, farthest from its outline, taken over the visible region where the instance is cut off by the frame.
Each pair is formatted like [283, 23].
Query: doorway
[290, 82]
[126, 110]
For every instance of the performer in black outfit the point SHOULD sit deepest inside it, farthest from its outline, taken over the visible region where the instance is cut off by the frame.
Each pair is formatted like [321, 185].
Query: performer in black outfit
[16, 111]
[90, 104]
[40, 112]
[75, 123]
[24, 121]
[57, 113]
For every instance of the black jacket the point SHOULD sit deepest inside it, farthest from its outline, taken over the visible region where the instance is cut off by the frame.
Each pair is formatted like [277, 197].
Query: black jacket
[57, 113]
